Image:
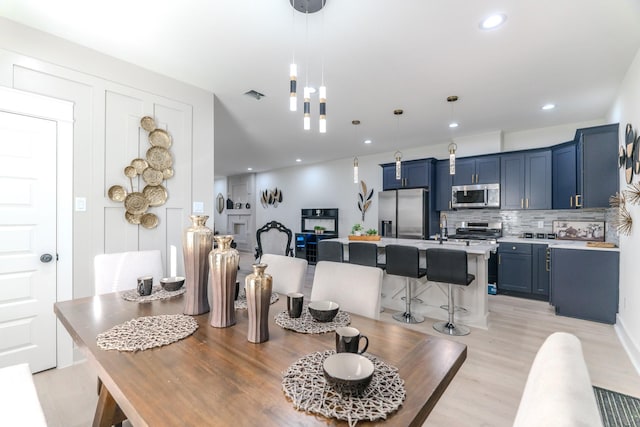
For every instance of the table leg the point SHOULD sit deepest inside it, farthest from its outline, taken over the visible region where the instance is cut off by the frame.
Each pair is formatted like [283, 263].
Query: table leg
[108, 413]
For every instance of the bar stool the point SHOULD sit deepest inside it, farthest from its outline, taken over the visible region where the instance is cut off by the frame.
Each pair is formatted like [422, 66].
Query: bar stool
[330, 251]
[449, 266]
[366, 254]
[405, 261]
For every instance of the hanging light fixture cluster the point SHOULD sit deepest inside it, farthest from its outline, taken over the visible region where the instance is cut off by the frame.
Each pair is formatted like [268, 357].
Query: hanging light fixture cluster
[306, 7]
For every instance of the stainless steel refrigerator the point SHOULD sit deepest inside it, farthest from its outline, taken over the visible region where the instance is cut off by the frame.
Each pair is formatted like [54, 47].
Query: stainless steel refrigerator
[404, 213]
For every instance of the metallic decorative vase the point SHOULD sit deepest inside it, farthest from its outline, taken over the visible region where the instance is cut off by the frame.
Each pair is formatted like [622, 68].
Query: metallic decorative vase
[197, 242]
[258, 289]
[223, 267]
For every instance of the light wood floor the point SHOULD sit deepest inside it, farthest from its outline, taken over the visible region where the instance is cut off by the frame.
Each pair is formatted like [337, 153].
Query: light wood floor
[485, 392]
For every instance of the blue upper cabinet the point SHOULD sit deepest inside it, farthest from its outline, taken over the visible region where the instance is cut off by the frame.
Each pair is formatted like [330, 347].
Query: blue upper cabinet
[443, 186]
[526, 180]
[565, 175]
[414, 174]
[477, 170]
[585, 171]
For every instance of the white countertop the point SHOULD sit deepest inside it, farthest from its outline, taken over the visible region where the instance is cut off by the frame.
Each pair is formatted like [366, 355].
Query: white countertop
[556, 243]
[474, 248]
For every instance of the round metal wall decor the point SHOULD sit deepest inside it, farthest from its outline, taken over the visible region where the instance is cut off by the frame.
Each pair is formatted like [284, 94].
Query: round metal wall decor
[154, 170]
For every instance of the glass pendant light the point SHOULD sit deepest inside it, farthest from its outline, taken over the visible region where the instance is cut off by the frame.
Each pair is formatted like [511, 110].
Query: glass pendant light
[355, 170]
[452, 147]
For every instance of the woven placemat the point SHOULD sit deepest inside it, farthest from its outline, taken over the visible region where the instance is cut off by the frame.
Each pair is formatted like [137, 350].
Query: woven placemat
[241, 302]
[304, 384]
[157, 292]
[147, 332]
[306, 324]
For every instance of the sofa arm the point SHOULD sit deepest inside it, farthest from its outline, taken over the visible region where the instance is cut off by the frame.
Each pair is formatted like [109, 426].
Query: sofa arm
[558, 391]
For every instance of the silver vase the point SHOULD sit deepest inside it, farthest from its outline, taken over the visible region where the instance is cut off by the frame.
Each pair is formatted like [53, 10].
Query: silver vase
[258, 289]
[197, 242]
[223, 268]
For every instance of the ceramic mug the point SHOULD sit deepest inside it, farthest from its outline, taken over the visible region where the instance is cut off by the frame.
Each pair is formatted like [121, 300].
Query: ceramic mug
[294, 304]
[348, 340]
[145, 285]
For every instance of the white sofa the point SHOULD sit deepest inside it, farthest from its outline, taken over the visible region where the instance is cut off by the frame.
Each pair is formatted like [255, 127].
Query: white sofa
[558, 391]
[19, 404]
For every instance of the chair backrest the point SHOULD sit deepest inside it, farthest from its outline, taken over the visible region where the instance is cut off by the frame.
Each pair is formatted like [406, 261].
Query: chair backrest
[274, 238]
[356, 288]
[362, 253]
[448, 266]
[330, 251]
[288, 273]
[120, 271]
[403, 261]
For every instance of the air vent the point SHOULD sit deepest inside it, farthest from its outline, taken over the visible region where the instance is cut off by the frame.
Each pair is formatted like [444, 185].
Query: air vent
[254, 94]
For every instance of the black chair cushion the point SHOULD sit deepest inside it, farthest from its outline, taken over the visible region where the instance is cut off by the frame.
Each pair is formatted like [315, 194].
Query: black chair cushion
[363, 254]
[330, 251]
[448, 266]
[403, 261]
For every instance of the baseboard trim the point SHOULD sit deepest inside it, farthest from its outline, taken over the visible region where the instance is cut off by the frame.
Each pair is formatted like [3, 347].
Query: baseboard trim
[633, 351]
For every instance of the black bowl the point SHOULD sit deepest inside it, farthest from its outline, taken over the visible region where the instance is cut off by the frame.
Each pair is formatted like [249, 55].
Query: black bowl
[348, 372]
[323, 311]
[171, 284]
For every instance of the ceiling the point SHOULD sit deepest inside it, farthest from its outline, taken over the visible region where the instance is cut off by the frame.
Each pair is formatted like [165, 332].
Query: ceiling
[377, 56]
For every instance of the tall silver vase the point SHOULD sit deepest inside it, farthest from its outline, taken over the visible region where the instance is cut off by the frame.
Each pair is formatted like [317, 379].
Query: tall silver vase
[258, 289]
[197, 242]
[223, 267]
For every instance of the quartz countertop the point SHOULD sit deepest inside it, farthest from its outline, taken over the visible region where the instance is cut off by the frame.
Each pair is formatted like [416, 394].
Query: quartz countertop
[556, 243]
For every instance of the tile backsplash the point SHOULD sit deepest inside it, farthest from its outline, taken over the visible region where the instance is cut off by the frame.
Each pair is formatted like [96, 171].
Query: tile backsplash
[517, 222]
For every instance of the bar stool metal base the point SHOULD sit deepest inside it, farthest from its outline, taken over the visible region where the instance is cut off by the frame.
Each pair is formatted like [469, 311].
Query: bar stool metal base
[408, 317]
[451, 329]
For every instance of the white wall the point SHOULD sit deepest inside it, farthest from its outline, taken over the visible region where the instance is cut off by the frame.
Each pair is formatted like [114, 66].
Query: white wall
[625, 110]
[110, 97]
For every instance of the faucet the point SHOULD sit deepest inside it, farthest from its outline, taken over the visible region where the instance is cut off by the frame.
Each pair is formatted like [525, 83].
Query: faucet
[443, 227]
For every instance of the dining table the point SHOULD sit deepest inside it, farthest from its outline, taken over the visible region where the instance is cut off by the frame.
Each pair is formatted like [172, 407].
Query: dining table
[216, 377]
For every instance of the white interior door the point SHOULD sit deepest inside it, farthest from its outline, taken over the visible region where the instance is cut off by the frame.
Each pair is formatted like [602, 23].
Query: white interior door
[27, 233]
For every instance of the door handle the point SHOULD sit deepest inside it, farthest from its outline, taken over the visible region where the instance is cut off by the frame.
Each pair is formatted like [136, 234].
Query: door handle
[578, 203]
[499, 259]
[450, 205]
[477, 179]
[46, 258]
[521, 203]
[527, 203]
[571, 201]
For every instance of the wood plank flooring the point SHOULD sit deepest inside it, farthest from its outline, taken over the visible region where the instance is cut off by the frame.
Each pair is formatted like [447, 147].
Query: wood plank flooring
[485, 392]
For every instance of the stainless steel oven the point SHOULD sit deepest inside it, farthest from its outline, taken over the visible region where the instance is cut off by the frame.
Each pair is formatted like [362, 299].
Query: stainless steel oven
[475, 196]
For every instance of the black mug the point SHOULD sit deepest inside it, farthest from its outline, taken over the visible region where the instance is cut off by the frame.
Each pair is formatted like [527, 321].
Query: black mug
[294, 304]
[145, 284]
[348, 340]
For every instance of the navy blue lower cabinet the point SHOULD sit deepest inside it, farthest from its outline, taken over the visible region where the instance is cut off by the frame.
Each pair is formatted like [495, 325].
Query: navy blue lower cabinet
[584, 283]
[514, 268]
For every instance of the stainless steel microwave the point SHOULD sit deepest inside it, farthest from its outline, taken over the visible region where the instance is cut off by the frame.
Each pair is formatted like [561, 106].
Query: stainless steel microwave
[475, 196]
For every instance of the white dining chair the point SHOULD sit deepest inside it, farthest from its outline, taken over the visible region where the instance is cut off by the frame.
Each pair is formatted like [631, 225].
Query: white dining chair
[120, 271]
[288, 273]
[356, 288]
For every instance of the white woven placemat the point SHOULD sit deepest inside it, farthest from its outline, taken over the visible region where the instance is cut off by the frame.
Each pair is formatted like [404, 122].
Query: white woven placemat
[304, 384]
[241, 302]
[306, 324]
[157, 292]
[147, 332]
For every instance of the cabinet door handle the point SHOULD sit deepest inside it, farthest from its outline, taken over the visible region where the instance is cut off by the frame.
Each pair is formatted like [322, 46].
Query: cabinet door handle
[521, 203]
[527, 203]
[477, 179]
[499, 259]
[571, 201]
[450, 205]
[578, 202]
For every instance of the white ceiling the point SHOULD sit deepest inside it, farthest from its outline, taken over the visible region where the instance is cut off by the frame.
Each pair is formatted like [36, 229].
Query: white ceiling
[379, 55]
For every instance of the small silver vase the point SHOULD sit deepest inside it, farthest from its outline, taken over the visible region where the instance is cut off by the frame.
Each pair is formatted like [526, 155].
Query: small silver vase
[223, 268]
[196, 245]
[258, 289]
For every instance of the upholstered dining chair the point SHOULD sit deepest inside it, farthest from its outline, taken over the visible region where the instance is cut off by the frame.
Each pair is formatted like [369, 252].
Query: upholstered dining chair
[288, 273]
[356, 288]
[273, 238]
[119, 271]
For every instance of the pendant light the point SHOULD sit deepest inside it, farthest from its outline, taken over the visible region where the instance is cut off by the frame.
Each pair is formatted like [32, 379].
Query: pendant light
[355, 123]
[398, 155]
[322, 125]
[307, 108]
[293, 67]
[452, 146]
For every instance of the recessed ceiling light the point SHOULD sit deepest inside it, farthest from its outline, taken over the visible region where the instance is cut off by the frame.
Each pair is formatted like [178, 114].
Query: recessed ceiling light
[298, 160]
[548, 106]
[249, 169]
[493, 21]
[367, 141]
[453, 125]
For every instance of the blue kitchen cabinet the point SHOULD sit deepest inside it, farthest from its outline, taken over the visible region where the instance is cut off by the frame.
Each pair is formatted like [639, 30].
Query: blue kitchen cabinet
[585, 171]
[540, 270]
[414, 174]
[526, 180]
[443, 186]
[477, 170]
[514, 268]
[584, 283]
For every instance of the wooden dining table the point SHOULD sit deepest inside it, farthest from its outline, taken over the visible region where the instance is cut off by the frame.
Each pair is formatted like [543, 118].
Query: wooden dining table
[215, 377]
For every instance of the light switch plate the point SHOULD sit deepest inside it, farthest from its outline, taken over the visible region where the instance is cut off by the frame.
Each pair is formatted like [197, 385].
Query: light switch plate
[81, 204]
[540, 224]
[198, 207]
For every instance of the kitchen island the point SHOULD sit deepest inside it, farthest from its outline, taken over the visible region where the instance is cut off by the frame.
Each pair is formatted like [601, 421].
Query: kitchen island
[431, 296]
